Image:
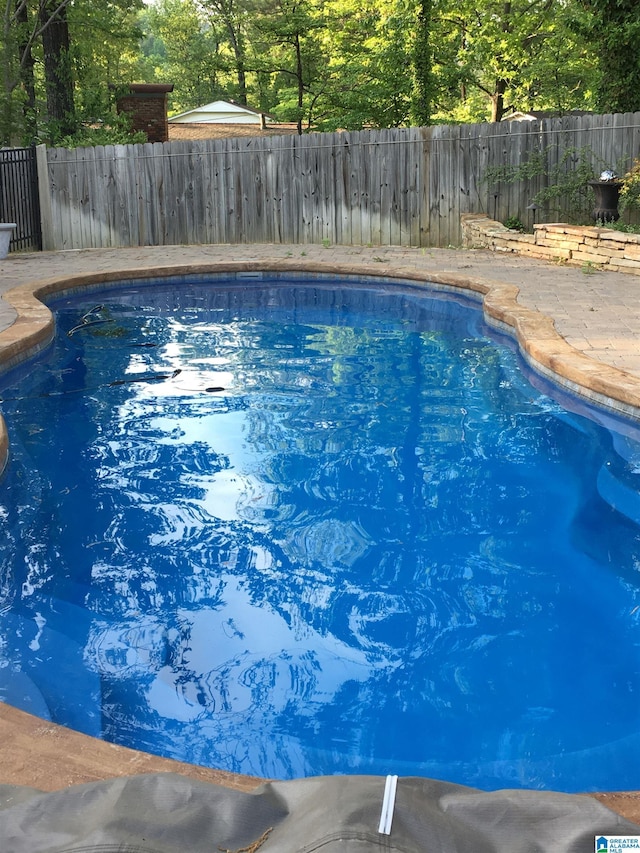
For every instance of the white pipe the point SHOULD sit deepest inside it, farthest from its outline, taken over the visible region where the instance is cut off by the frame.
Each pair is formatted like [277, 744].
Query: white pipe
[388, 805]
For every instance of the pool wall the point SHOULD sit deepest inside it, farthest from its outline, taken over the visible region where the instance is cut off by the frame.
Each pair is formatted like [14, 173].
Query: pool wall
[544, 350]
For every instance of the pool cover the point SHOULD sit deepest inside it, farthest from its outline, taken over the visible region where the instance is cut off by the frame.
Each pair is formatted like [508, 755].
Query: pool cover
[163, 813]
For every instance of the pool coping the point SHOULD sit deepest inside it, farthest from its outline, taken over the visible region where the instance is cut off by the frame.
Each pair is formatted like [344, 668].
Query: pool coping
[71, 757]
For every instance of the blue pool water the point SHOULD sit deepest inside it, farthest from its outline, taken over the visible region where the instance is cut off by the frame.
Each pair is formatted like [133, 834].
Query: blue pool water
[302, 527]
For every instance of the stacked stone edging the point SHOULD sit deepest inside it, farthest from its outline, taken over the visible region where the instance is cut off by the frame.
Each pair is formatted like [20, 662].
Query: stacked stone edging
[571, 244]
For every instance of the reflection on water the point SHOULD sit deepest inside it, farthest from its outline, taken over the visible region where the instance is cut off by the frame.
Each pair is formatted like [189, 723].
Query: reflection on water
[303, 530]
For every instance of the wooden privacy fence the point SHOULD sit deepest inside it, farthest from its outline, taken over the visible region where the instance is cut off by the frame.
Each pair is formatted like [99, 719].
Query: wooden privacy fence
[405, 187]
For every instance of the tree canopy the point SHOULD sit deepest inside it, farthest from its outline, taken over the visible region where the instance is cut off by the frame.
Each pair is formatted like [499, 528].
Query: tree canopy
[612, 28]
[323, 64]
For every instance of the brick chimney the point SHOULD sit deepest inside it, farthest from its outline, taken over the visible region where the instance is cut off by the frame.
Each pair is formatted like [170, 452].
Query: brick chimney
[147, 106]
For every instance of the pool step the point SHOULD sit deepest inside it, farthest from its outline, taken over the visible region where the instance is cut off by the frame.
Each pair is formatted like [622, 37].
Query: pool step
[618, 494]
[52, 662]
[17, 689]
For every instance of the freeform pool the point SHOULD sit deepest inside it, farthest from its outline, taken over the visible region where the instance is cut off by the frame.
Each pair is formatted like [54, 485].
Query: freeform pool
[292, 528]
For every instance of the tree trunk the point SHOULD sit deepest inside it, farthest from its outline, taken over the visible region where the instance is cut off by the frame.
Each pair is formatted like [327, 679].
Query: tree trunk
[300, 77]
[26, 64]
[497, 100]
[57, 69]
[237, 43]
[422, 67]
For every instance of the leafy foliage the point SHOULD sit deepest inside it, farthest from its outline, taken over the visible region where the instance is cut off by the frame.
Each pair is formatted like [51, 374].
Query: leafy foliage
[505, 56]
[337, 64]
[422, 64]
[630, 189]
[612, 27]
[181, 48]
[59, 60]
[514, 223]
[116, 132]
[565, 189]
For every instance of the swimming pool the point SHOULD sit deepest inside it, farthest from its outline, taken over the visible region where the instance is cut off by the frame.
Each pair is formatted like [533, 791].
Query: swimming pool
[298, 527]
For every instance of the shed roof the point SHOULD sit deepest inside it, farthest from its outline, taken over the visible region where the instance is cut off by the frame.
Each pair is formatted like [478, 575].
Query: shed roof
[221, 112]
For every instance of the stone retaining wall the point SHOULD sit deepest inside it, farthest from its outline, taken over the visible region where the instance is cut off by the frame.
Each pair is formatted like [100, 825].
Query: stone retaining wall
[571, 244]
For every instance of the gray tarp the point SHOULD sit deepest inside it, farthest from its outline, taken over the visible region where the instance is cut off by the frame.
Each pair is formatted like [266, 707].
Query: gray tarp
[166, 813]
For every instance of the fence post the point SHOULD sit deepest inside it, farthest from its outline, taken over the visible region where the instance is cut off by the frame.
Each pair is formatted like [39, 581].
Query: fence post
[44, 193]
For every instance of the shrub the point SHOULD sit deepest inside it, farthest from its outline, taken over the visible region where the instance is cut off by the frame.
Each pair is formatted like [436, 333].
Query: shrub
[630, 189]
[513, 224]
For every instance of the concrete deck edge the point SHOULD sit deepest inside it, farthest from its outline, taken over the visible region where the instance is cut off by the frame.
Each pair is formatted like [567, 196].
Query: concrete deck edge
[38, 754]
[46, 756]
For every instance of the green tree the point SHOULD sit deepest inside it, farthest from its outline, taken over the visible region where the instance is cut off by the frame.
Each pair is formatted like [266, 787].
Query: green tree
[182, 48]
[369, 82]
[59, 59]
[352, 66]
[27, 27]
[231, 17]
[26, 64]
[325, 65]
[288, 44]
[106, 53]
[58, 67]
[358, 63]
[612, 28]
[340, 93]
[493, 56]
[423, 65]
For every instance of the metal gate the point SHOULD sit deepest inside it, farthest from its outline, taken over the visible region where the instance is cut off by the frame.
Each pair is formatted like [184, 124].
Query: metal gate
[19, 199]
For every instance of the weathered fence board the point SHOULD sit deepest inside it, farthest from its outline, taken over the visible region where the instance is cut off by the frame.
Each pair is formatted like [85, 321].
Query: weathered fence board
[358, 205]
[404, 186]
